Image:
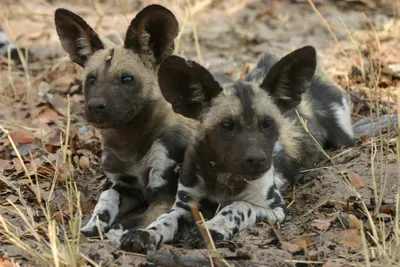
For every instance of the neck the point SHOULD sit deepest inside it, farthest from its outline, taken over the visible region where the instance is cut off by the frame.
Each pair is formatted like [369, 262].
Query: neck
[138, 133]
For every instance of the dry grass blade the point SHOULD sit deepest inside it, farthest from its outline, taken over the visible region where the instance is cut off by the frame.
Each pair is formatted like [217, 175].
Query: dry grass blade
[205, 233]
[196, 38]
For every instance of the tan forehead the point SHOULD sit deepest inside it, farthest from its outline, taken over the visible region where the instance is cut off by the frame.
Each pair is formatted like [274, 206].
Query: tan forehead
[120, 60]
[228, 104]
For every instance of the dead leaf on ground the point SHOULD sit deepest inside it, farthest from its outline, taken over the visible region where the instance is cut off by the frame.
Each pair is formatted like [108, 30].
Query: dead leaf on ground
[62, 217]
[63, 82]
[302, 241]
[354, 223]
[292, 248]
[5, 165]
[356, 180]
[22, 137]
[59, 103]
[350, 238]
[12, 198]
[5, 263]
[389, 209]
[88, 206]
[46, 195]
[323, 224]
[84, 162]
[298, 243]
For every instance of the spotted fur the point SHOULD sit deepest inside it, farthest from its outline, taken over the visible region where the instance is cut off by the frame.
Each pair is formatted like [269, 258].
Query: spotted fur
[143, 140]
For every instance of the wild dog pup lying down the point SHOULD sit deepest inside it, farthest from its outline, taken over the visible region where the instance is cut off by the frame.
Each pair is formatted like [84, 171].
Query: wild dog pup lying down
[249, 146]
[143, 139]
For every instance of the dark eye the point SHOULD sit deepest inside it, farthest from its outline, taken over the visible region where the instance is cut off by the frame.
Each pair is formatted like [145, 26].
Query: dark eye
[227, 124]
[126, 78]
[90, 79]
[267, 123]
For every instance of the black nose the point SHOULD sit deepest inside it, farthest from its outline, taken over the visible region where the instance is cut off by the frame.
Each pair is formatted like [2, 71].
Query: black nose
[97, 105]
[255, 159]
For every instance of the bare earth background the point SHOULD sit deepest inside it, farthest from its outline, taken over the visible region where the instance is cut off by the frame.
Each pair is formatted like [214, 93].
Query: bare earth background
[340, 214]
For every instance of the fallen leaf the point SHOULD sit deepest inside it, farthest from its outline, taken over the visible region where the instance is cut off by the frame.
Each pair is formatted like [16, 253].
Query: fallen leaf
[48, 115]
[88, 205]
[46, 195]
[354, 223]
[5, 165]
[363, 137]
[22, 137]
[84, 162]
[292, 248]
[323, 224]
[59, 103]
[5, 263]
[12, 198]
[389, 209]
[302, 241]
[62, 83]
[3, 186]
[350, 238]
[62, 217]
[356, 180]
[81, 261]
[17, 165]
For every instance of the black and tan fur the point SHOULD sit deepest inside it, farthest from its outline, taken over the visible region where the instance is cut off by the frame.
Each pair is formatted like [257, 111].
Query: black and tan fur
[249, 146]
[143, 140]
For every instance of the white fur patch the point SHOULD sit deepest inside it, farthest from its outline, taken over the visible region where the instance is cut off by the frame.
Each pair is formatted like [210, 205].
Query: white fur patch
[277, 147]
[158, 160]
[343, 116]
[84, 46]
[5, 42]
[195, 193]
[256, 191]
[115, 235]
[171, 219]
[226, 224]
[109, 201]
[279, 180]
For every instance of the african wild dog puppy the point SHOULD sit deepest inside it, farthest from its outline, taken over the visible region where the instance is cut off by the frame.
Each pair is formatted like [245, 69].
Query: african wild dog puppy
[250, 143]
[143, 139]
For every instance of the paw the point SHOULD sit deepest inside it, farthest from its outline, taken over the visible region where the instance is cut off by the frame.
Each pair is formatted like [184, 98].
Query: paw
[139, 241]
[91, 229]
[278, 216]
[195, 239]
[115, 233]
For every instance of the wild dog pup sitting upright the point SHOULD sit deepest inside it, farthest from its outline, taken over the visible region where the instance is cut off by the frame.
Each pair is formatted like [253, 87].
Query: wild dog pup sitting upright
[250, 143]
[143, 139]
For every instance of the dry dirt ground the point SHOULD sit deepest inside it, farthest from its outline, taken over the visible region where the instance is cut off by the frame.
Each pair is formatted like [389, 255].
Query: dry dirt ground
[332, 222]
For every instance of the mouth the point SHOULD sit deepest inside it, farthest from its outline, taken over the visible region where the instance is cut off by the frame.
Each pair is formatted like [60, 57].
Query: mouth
[105, 120]
[102, 124]
[254, 174]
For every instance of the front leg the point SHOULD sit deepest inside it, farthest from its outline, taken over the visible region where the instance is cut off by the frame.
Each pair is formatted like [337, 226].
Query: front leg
[115, 201]
[240, 215]
[168, 227]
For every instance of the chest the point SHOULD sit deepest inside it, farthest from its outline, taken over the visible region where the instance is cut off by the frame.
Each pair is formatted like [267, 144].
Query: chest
[237, 188]
[129, 170]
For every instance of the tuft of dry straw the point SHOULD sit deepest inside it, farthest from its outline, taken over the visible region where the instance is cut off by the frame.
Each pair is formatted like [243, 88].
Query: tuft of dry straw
[196, 38]
[205, 233]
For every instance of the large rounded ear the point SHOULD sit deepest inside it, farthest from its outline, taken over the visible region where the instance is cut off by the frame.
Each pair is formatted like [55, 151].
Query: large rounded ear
[290, 77]
[77, 38]
[152, 33]
[188, 86]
